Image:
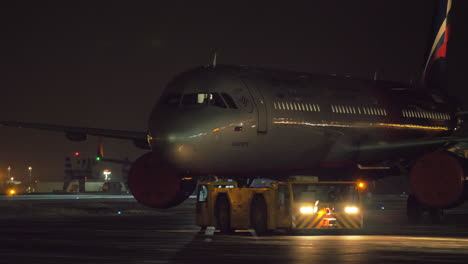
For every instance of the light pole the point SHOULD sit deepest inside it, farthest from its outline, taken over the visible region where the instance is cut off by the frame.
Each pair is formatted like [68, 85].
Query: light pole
[30, 179]
[106, 173]
[9, 172]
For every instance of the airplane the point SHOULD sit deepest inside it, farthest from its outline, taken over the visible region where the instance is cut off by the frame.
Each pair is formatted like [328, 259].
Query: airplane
[242, 122]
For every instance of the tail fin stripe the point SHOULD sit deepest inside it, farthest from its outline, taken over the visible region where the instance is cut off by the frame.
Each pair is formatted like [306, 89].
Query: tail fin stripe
[440, 41]
[436, 78]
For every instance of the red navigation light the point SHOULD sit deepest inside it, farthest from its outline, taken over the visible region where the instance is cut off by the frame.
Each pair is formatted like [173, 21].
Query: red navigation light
[9, 167]
[77, 153]
[36, 181]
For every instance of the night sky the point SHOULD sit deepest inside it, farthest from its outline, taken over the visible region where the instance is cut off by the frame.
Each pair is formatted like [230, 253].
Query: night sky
[105, 64]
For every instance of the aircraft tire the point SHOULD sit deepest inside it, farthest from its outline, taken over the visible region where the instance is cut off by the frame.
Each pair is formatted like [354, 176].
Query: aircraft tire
[223, 214]
[259, 215]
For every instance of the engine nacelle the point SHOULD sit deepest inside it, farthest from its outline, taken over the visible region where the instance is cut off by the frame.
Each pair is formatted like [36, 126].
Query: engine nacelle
[157, 185]
[437, 179]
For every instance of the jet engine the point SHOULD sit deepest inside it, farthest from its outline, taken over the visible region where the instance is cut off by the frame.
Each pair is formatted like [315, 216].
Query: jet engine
[437, 179]
[158, 185]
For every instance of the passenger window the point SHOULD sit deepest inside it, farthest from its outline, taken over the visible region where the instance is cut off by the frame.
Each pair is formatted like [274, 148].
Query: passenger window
[229, 100]
[172, 100]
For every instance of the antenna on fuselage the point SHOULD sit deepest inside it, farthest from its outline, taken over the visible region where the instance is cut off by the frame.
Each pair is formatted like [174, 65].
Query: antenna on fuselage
[213, 64]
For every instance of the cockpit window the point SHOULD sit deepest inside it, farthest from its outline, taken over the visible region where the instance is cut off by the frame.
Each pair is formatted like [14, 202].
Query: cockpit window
[216, 100]
[172, 100]
[203, 98]
[229, 100]
[193, 99]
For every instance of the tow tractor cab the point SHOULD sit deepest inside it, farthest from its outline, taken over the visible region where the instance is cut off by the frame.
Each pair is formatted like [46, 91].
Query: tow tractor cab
[301, 202]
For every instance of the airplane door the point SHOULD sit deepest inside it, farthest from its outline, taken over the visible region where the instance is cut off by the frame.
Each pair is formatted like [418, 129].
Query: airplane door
[260, 105]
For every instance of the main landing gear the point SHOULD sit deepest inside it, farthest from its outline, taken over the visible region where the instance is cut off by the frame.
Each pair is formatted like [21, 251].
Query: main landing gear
[415, 212]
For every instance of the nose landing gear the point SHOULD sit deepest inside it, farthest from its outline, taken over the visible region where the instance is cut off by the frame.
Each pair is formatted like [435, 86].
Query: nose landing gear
[415, 212]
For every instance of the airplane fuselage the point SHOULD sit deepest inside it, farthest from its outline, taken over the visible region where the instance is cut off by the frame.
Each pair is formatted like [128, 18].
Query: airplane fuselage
[236, 120]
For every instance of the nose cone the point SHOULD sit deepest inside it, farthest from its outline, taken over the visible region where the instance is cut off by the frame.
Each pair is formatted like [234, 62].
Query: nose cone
[174, 137]
[163, 129]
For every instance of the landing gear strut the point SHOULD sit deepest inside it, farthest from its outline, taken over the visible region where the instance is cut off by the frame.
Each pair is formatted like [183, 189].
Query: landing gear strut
[415, 211]
[436, 215]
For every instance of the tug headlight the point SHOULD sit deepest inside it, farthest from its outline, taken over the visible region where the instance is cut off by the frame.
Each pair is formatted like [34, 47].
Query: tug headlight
[351, 210]
[306, 210]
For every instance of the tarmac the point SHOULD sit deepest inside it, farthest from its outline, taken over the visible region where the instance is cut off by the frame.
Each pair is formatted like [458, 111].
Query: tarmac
[116, 229]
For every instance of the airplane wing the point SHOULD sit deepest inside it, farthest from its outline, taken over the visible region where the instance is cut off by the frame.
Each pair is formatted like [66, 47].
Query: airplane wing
[75, 133]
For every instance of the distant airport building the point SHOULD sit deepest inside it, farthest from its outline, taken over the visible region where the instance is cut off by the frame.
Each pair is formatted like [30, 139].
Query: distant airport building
[88, 173]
